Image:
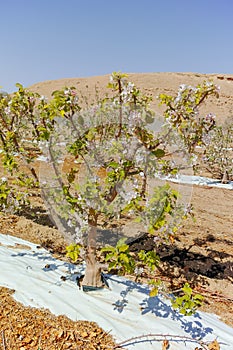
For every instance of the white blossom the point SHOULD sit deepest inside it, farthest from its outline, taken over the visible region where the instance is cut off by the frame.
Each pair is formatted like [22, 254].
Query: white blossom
[7, 110]
[138, 270]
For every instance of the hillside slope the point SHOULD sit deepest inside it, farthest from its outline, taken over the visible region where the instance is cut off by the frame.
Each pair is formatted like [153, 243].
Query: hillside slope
[153, 84]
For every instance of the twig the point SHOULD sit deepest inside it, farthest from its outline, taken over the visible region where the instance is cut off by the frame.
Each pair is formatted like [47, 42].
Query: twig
[169, 337]
[3, 341]
[213, 295]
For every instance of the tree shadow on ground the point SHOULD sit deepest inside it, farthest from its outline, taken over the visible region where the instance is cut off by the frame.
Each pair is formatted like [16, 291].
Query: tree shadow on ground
[194, 265]
[50, 264]
[159, 307]
[38, 215]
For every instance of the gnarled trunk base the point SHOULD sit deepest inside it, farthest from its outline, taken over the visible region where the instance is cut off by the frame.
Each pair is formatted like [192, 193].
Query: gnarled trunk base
[92, 276]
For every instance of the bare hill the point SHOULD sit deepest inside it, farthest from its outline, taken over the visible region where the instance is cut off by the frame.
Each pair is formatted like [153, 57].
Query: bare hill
[154, 84]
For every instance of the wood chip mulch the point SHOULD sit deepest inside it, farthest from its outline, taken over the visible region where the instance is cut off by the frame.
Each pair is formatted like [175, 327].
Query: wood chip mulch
[24, 328]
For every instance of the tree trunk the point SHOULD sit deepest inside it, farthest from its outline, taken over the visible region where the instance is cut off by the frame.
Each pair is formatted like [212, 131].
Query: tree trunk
[92, 276]
[225, 178]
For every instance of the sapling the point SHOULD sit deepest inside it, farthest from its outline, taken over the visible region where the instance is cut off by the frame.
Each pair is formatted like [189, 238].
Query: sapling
[104, 161]
[112, 158]
[21, 130]
[218, 155]
[183, 114]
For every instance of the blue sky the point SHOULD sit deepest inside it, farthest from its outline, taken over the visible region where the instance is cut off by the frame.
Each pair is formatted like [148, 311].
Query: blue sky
[53, 39]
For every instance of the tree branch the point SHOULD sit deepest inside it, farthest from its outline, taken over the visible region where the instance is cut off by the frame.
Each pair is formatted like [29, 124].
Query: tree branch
[160, 337]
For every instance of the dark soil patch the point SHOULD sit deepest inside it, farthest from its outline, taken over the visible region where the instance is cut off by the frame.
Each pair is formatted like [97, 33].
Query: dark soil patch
[183, 258]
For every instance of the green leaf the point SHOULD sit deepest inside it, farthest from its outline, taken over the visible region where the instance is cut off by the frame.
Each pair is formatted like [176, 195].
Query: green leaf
[109, 256]
[187, 290]
[124, 258]
[123, 248]
[153, 292]
[159, 153]
[19, 86]
[121, 242]
[108, 249]
[113, 165]
[112, 265]
[73, 251]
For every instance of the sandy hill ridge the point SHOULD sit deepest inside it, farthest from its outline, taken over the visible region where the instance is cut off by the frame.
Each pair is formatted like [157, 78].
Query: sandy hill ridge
[154, 84]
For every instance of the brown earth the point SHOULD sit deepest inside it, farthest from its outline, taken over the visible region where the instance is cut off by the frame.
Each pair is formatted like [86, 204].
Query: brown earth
[202, 253]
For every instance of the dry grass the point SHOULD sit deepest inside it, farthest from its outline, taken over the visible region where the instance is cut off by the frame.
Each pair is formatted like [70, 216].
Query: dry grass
[24, 328]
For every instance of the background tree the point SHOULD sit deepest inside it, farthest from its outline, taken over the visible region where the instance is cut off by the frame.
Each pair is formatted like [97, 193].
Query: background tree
[218, 155]
[21, 130]
[183, 114]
